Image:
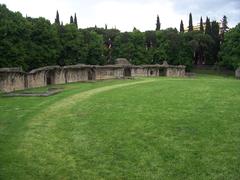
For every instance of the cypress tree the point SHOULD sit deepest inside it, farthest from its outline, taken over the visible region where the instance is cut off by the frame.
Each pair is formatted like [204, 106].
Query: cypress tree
[181, 27]
[201, 25]
[71, 20]
[158, 25]
[224, 24]
[75, 20]
[57, 20]
[190, 27]
[215, 29]
[208, 27]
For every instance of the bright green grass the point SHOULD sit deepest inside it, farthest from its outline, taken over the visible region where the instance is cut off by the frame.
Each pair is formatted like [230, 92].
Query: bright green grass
[159, 128]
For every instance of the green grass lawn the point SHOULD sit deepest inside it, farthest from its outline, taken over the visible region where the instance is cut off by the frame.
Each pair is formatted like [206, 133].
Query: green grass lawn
[150, 128]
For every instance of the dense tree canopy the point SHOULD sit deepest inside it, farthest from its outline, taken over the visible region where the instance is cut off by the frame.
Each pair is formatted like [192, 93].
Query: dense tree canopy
[35, 42]
[230, 49]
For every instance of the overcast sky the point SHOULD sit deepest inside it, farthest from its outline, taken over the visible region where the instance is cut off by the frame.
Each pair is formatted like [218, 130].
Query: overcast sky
[126, 14]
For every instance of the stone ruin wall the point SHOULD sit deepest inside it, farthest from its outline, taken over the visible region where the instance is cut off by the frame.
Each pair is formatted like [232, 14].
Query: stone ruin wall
[175, 72]
[18, 80]
[138, 72]
[103, 73]
[153, 72]
[12, 81]
[144, 72]
[148, 71]
[59, 76]
[237, 73]
[75, 75]
[36, 80]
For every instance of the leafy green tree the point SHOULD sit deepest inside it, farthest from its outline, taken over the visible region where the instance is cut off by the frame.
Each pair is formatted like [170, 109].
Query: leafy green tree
[35, 42]
[72, 41]
[190, 26]
[150, 39]
[230, 49]
[123, 46]
[95, 49]
[201, 44]
[185, 55]
[43, 48]
[14, 38]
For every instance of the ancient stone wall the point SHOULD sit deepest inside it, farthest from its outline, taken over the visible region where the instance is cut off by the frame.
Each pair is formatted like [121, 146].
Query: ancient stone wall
[175, 72]
[59, 76]
[15, 79]
[119, 73]
[12, 81]
[139, 71]
[76, 75]
[108, 72]
[145, 71]
[37, 79]
[153, 72]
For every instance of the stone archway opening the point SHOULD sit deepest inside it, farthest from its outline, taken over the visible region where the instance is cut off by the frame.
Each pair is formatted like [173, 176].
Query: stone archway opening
[127, 72]
[162, 71]
[50, 77]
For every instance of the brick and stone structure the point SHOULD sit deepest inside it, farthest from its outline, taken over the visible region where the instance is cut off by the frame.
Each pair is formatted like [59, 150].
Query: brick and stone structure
[12, 79]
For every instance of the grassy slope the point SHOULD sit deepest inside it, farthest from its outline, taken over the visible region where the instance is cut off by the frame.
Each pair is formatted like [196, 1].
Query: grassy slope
[171, 128]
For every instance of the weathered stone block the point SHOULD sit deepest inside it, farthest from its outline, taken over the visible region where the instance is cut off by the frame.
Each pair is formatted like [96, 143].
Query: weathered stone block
[237, 73]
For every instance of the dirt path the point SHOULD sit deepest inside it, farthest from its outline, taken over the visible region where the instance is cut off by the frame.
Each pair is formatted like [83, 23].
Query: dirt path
[46, 121]
[70, 101]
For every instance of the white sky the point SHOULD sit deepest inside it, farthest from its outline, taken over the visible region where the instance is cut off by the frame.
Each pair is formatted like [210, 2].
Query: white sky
[126, 14]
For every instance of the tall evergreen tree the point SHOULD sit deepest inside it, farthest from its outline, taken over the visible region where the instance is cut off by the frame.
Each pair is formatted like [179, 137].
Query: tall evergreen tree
[181, 27]
[158, 25]
[71, 20]
[75, 20]
[190, 27]
[215, 29]
[224, 24]
[201, 25]
[57, 20]
[208, 27]
[216, 38]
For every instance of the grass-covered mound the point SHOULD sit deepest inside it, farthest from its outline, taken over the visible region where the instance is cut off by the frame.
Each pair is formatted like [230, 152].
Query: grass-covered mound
[124, 129]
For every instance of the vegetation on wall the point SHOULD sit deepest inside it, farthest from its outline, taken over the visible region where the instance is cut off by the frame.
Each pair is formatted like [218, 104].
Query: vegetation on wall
[35, 42]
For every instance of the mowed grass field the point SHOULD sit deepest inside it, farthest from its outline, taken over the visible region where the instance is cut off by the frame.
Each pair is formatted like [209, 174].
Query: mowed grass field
[147, 128]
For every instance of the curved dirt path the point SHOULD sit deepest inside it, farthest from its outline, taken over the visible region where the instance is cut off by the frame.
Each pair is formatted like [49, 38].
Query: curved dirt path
[60, 108]
[40, 135]
[71, 100]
